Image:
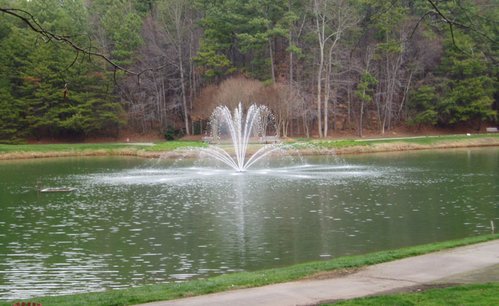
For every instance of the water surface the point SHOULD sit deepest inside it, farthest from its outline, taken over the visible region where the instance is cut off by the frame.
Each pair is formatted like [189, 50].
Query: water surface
[133, 221]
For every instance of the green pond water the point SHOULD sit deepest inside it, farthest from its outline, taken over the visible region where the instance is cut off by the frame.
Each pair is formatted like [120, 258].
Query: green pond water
[132, 221]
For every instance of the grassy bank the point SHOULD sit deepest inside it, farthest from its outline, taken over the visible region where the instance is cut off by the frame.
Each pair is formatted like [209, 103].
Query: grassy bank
[23, 151]
[353, 146]
[475, 294]
[303, 146]
[250, 279]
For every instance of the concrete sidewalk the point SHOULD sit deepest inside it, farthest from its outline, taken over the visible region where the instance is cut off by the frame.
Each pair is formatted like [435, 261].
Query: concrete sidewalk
[449, 266]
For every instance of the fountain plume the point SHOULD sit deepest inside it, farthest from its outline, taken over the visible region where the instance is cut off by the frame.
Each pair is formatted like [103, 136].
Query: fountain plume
[240, 128]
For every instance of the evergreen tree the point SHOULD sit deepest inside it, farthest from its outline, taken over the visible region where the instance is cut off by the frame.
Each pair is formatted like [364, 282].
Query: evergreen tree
[470, 87]
[465, 82]
[49, 89]
[43, 91]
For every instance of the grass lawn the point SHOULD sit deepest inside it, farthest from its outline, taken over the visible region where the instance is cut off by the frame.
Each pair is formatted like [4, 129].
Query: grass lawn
[81, 147]
[247, 279]
[420, 140]
[9, 148]
[13, 151]
[475, 294]
[10, 151]
[174, 145]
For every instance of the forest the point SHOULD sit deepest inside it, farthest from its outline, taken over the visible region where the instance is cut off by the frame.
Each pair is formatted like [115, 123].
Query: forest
[73, 69]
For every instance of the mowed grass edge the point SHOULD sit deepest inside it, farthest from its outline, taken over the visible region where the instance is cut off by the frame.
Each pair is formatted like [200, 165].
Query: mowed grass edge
[305, 146]
[353, 146]
[168, 291]
[25, 151]
[469, 294]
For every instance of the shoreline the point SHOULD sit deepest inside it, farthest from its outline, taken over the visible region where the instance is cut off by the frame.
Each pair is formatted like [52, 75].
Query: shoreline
[313, 147]
[315, 270]
[336, 268]
[416, 147]
[432, 269]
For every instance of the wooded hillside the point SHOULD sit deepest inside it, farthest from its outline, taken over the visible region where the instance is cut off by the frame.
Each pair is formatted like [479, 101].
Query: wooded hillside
[79, 68]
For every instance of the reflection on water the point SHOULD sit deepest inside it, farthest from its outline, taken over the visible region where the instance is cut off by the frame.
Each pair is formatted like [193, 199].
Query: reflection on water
[133, 222]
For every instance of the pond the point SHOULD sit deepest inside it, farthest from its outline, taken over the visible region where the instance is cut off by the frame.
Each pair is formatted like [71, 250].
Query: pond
[133, 221]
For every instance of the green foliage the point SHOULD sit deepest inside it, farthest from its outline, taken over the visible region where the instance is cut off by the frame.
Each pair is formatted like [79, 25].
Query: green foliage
[364, 89]
[213, 64]
[11, 121]
[41, 93]
[428, 116]
[469, 100]
[218, 23]
[41, 96]
[122, 25]
[172, 133]
[236, 29]
[423, 105]
[295, 49]
[464, 89]
[144, 6]
[385, 16]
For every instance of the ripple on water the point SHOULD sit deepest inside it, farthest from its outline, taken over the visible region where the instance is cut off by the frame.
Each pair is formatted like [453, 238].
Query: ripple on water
[134, 226]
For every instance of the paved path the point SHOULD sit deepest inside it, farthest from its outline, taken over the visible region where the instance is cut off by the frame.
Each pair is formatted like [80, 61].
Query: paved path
[395, 275]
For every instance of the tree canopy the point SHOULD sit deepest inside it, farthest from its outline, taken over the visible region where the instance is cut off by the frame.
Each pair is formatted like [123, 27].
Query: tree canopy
[80, 68]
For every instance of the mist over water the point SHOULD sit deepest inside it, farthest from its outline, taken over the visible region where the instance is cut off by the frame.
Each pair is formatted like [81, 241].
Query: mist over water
[133, 221]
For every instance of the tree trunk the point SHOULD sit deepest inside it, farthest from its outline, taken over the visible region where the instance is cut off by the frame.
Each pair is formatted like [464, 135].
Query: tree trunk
[327, 92]
[184, 98]
[361, 116]
[404, 97]
[271, 60]
[320, 26]
[290, 77]
[319, 89]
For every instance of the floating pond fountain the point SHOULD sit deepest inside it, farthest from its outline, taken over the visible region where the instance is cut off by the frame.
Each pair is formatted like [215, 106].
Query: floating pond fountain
[240, 128]
[132, 221]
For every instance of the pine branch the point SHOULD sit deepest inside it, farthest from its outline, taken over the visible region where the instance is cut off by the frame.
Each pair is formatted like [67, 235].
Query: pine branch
[49, 36]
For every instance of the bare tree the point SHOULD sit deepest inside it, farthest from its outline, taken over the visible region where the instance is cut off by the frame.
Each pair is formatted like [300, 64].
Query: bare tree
[397, 64]
[153, 102]
[175, 18]
[285, 102]
[332, 18]
[237, 90]
[362, 93]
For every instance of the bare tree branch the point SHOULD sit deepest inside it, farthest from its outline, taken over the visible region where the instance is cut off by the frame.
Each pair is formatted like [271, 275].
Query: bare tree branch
[49, 36]
[453, 23]
[419, 21]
